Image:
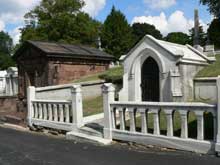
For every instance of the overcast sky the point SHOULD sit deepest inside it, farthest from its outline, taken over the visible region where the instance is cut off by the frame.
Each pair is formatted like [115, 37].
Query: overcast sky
[166, 15]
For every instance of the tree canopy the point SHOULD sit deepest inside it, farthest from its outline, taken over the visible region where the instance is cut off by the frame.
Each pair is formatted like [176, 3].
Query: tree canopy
[202, 36]
[214, 32]
[141, 29]
[116, 34]
[178, 37]
[6, 46]
[60, 21]
[214, 6]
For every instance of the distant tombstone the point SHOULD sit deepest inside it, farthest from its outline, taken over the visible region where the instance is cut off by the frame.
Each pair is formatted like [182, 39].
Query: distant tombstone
[2, 82]
[12, 81]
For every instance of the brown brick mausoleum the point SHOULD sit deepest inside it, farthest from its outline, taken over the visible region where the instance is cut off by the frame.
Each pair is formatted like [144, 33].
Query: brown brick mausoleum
[43, 64]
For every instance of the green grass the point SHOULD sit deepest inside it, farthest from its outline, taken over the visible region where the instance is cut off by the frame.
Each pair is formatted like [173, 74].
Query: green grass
[92, 106]
[213, 70]
[192, 124]
[113, 75]
[94, 77]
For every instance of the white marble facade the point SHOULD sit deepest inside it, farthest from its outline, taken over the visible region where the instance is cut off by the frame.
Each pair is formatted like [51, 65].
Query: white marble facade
[177, 66]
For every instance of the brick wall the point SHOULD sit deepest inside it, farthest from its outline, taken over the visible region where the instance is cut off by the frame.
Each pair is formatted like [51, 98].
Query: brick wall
[67, 73]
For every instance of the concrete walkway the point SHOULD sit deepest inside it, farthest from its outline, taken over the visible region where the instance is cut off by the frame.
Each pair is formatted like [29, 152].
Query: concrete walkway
[22, 148]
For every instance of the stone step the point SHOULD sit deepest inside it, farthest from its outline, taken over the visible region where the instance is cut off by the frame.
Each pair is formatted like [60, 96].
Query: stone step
[87, 138]
[91, 131]
[13, 119]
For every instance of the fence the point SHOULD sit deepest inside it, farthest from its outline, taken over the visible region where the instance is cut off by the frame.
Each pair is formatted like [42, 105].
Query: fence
[58, 114]
[122, 128]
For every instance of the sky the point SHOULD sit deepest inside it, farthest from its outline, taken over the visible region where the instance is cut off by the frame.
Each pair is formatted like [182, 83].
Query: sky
[166, 15]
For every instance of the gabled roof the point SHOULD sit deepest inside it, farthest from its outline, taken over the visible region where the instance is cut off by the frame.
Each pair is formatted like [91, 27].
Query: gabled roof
[65, 50]
[185, 53]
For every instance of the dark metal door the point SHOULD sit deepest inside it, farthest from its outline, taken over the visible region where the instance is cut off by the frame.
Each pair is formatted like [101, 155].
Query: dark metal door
[150, 81]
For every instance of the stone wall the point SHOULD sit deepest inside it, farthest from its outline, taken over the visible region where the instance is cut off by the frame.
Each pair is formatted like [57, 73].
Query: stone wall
[205, 89]
[188, 73]
[63, 92]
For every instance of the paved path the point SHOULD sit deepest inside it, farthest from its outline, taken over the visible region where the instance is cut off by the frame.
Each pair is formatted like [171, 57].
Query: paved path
[20, 148]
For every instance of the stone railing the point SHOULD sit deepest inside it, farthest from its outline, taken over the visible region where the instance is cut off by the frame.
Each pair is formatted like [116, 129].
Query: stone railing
[123, 125]
[58, 114]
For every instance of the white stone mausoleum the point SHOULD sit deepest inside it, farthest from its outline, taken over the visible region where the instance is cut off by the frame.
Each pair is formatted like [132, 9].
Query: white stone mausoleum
[156, 70]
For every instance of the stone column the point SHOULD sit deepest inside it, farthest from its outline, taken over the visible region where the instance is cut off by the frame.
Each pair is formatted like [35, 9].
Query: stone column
[77, 110]
[108, 96]
[217, 147]
[30, 97]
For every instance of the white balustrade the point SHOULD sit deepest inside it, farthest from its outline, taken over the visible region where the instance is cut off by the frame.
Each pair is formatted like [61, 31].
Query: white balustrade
[58, 114]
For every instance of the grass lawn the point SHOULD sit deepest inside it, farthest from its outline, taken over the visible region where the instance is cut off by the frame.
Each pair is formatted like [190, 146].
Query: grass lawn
[94, 77]
[112, 75]
[192, 124]
[213, 70]
[92, 106]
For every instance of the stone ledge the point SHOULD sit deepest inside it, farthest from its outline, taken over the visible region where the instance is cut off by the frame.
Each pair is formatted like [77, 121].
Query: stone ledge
[87, 138]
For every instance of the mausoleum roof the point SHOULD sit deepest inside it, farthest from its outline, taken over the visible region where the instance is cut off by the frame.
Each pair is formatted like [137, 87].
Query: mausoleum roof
[184, 53]
[66, 50]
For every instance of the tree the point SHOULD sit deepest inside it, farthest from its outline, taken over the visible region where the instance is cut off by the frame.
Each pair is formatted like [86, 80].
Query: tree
[6, 43]
[141, 29]
[202, 36]
[116, 34]
[6, 46]
[178, 37]
[214, 32]
[60, 21]
[214, 6]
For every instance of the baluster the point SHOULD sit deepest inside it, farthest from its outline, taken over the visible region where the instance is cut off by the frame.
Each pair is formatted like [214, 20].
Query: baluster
[35, 111]
[67, 113]
[32, 107]
[50, 112]
[156, 121]
[144, 115]
[55, 112]
[122, 118]
[45, 111]
[132, 115]
[113, 114]
[169, 116]
[214, 127]
[200, 124]
[184, 123]
[61, 112]
[40, 110]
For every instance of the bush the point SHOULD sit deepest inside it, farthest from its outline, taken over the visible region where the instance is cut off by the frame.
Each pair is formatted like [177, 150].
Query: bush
[114, 75]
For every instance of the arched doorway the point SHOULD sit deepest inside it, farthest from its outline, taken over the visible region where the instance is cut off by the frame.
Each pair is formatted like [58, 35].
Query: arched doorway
[150, 83]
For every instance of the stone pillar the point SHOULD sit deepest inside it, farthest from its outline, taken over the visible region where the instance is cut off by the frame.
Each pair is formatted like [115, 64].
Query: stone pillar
[77, 110]
[196, 28]
[30, 97]
[108, 96]
[217, 147]
[176, 85]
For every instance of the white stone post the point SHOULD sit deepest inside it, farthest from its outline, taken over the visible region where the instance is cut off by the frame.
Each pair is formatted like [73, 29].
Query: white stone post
[77, 110]
[30, 98]
[108, 96]
[217, 147]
